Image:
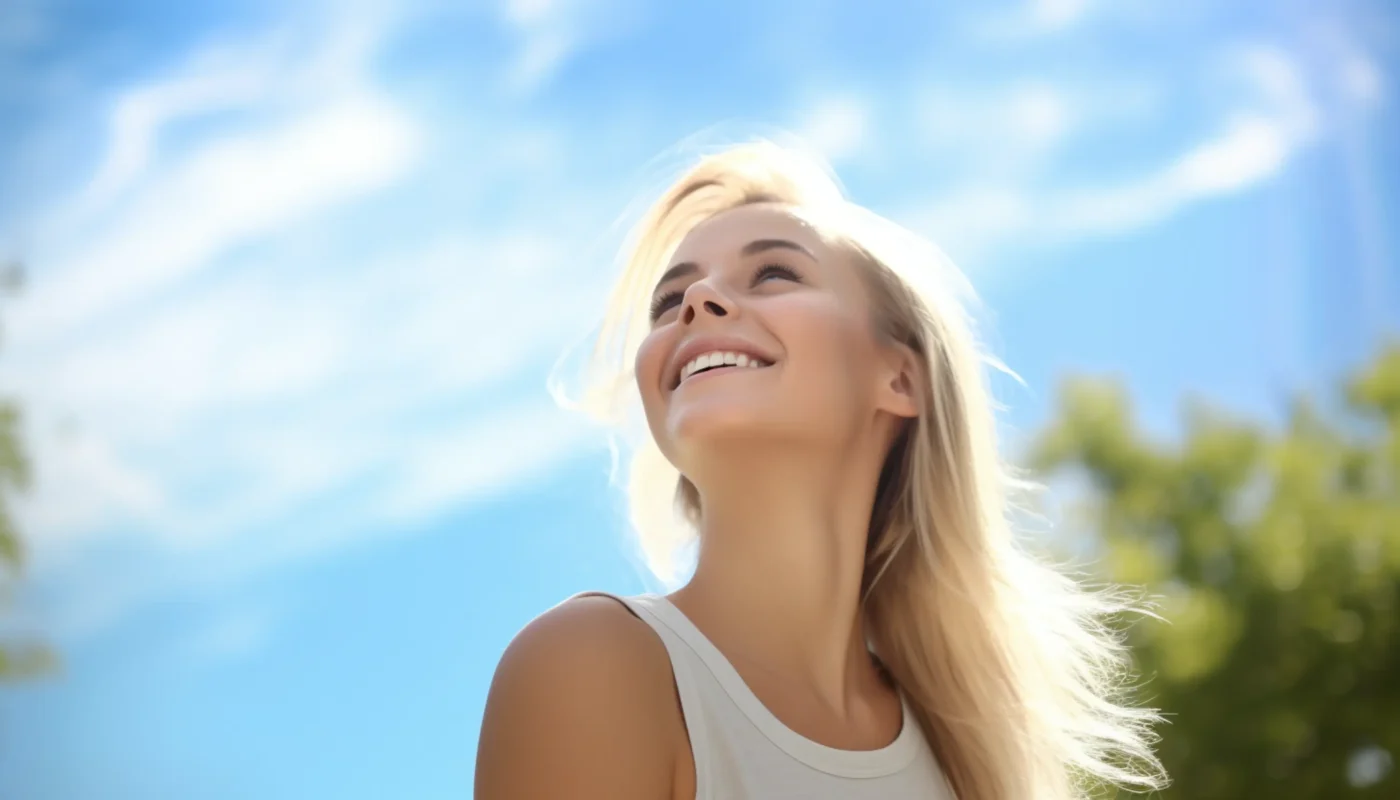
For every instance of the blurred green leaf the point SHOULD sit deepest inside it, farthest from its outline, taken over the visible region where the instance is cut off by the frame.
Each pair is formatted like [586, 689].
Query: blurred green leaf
[18, 659]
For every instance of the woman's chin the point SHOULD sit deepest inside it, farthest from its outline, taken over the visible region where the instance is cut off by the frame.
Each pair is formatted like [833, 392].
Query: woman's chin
[720, 419]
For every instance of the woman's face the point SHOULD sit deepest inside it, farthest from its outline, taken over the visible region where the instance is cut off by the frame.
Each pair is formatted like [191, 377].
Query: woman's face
[761, 330]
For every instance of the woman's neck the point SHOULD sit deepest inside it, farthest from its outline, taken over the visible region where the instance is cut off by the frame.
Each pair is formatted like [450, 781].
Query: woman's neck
[782, 553]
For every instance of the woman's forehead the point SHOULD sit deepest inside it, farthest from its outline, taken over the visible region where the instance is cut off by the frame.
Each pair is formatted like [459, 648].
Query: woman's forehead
[730, 230]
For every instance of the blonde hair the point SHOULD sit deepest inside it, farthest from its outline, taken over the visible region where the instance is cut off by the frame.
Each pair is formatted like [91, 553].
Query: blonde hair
[1012, 672]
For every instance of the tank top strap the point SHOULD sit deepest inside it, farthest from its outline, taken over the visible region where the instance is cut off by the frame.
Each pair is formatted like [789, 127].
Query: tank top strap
[684, 662]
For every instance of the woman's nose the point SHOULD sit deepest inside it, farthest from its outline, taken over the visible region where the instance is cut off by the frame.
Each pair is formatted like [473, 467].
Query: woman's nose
[701, 299]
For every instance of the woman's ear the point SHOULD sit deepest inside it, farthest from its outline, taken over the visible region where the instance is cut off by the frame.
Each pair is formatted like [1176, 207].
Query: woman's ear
[901, 384]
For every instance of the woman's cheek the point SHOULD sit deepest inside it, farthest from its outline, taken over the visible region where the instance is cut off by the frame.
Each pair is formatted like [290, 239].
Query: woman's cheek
[834, 357]
[648, 365]
[818, 328]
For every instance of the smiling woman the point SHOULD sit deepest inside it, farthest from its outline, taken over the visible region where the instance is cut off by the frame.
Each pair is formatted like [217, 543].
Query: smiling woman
[861, 621]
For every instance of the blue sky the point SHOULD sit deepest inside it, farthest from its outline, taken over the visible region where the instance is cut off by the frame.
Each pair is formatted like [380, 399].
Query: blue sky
[297, 275]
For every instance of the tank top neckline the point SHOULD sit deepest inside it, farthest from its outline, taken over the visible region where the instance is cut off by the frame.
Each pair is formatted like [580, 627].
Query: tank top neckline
[845, 763]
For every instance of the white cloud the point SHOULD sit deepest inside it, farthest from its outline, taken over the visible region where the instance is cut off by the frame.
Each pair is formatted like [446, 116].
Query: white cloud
[280, 388]
[837, 126]
[1033, 18]
[1361, 80]
[202, 435]
[412, 477]
[1254, 145]
[550, 32]
[1057, 14]
[81, 485]
[968, 221]
[230, 191]
[1250, 150]
[1277, 119]
[1041, 115]
[995, 131]
[216, 81]
[236, 633]
[1280, 87]
[541, 55]
[480, 458]
[535, 13]
[199, 366]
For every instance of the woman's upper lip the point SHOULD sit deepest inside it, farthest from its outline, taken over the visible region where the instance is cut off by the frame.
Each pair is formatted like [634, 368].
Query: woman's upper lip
[708, 344]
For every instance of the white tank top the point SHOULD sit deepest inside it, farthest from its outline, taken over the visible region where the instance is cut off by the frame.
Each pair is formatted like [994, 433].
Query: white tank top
[743, 752]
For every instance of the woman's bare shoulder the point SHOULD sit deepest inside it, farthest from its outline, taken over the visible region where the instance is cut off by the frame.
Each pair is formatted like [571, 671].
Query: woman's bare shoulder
[582, 705]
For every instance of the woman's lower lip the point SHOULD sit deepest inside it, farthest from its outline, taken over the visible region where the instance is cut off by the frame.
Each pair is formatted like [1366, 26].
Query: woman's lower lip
[717, 371]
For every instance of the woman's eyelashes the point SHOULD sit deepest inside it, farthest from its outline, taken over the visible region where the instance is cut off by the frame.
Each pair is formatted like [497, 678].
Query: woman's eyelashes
[775, 271]
[664, 302]
[672, 298]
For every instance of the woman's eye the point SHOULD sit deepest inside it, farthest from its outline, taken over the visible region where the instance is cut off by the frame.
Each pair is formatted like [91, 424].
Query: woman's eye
[664, 303]
[774, 271]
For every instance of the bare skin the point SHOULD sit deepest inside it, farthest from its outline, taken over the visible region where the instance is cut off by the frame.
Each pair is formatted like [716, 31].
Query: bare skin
[785, 459]
[584, 705]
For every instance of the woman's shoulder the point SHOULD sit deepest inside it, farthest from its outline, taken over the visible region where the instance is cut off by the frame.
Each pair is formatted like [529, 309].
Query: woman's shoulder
[596, 635]
[584, 691]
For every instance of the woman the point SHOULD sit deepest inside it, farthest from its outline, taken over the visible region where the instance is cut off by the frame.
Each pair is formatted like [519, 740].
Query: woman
[860, 622]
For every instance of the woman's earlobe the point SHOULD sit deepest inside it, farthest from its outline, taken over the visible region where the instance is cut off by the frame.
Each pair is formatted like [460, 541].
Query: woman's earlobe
[904, 389]
[904, 394]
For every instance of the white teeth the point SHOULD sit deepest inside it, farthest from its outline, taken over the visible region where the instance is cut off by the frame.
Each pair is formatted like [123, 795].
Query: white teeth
[718, 358]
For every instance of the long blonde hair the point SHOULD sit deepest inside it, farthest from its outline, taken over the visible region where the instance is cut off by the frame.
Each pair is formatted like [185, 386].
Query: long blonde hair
[1013, 674]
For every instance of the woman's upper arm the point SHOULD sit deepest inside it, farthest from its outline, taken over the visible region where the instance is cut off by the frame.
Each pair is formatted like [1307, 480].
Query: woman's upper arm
[581, 707]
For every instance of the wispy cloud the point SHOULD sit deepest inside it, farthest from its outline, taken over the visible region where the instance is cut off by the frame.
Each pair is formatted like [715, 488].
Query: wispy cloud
[217, 79]
[837, 125]
[1034, 18]
[1362, 79]
[236, 633]
[1255, 142]
[1057, 14]
[246, 396]
[106, 371]
[550, 32]
[1000, 129]
[303, 512]
[1249, 150]
[230, 191]
[200, 366]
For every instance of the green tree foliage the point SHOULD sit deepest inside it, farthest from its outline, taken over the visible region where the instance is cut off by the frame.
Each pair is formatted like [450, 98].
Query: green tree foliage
[1273, 557]
[19, 658]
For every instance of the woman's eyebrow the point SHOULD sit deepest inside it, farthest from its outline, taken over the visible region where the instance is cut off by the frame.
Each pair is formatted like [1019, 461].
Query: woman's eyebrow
[759, 245]
[678, 271]
[752, 248]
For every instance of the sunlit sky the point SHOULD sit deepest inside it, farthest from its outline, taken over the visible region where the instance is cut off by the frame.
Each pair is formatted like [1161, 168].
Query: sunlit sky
[296, 274]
